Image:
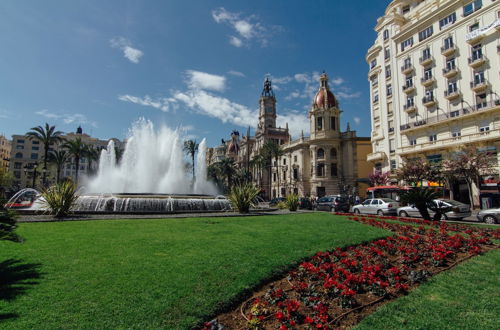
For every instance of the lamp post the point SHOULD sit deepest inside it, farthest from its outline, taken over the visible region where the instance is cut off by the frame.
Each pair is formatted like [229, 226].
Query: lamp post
[25, 170]
[35, 165]
[44, 171]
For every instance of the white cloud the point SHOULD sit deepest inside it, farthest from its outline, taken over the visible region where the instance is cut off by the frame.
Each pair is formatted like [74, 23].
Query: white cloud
[203, 80]
[163, 104]
[297, 122]
[337, 81]
[236, 73]
[357, 120]
[293, 95]
[247, 28]
[67, 118]
[347, 96]
[236, 42]
[132, 54]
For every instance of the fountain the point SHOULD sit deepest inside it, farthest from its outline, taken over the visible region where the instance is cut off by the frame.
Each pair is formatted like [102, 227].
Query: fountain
[150, 178]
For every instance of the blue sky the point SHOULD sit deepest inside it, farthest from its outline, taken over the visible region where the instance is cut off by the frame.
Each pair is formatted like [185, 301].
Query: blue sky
[196, 65]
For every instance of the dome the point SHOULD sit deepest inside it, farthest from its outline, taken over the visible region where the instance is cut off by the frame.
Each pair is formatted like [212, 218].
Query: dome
[319, 100]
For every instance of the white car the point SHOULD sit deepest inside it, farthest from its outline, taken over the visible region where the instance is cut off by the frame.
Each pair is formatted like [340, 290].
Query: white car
[458, 210]
[490, 216]
[380, 206]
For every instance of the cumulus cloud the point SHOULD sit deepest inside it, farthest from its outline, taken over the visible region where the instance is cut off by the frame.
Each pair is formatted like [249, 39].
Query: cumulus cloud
[347, 96]
[297, 122]
[247, 28]
[129, 52]
[203, 80]
[163, 104]
[67, 118]
[236, 73]
[357, 120]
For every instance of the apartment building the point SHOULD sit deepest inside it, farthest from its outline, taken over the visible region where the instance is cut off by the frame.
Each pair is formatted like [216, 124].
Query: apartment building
[5, 146]
[434, 80]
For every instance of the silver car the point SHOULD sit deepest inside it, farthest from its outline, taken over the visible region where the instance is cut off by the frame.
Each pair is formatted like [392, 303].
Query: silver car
[490, 216]
[458, 210]
[380, 206]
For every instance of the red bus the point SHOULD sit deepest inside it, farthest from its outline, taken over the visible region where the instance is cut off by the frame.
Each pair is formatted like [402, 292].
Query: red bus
[392, 192]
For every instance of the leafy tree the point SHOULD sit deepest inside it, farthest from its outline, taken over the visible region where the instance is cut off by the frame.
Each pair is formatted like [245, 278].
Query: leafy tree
[227, 170]
[470, 165]
[47, 136]
[92, 155]
[379, 178]
[414, 171]
[77, 149]
[8, 225]
[6, 179]
[271, 150]
[59, 158]
[258, 162]
[190, 148]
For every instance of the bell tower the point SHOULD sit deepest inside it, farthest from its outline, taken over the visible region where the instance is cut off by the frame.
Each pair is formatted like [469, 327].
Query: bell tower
[324, 115]
[267, 107]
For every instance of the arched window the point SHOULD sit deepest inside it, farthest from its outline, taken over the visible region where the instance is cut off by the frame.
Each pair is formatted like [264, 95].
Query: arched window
[320, 154]
[333, 153]
[19, 155]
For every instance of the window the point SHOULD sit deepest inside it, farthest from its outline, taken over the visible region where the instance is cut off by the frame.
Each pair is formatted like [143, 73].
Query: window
[389, 90]
[427, 74]
[274, 177]
[456, 132]
[450, 64]
[409, 82]
[18, 165]
[406, 9]
[373, 64]
[472, 7]
[374, 81]
[392, 145]
[388, 71]
[432, 137]
[36, 142]
[387, 53]
[393, 164]
[477, 52]
[455, 113]
[426, 54]
[18, 147]
[448, 43]
[407, 43]
[410, 102]
[333, 153]
[375, 98]
[386, 34]
[412, 141]
[320, 154]
[319, 123]
[447, 21]
[333, 169]
[389, 108]
[481, 101]
[332, 123]
[422, 35]
[295, 173]
[391, 126]
[295, 158]
[478, 77]
[407, 62]
[35, 148]
[284, 175]
[20, 141]
[34, 156]
[320, 169]
[452, 86]
[19, 155]
[484, 126]
[474, 27]
[284, 161]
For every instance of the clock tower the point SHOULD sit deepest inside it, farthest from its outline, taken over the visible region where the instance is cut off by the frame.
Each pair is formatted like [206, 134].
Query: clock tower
[267, 107]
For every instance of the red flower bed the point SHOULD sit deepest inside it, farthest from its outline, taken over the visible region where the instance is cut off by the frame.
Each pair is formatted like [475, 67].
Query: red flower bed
[342, 286]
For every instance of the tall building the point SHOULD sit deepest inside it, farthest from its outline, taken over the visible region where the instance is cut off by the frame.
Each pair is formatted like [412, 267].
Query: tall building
[5, 146]
[26, 159]
[326, 162]
[434, 80]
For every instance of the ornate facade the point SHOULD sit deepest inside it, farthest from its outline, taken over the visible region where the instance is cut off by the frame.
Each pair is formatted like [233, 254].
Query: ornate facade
[325, 163]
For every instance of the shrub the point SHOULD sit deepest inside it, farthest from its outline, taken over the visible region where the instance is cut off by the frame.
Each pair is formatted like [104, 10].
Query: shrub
[243, 197]
[60, 198]
[281, 205]
[292, 202]
[8, 225]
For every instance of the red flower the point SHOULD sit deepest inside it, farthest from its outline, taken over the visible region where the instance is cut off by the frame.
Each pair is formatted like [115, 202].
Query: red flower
[280, 316]
[308, 320]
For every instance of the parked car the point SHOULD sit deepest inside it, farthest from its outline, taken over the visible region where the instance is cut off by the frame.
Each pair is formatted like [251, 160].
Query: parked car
[276, 200]
[380, 206]
[305, 203]
[335, 203]
[490, 216]
[458, 210]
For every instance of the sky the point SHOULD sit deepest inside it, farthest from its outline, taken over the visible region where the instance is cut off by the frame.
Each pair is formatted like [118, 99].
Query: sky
[198, 66]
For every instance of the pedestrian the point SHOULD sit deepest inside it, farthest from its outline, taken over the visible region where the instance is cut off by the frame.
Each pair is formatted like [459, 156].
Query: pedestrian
[357, 200]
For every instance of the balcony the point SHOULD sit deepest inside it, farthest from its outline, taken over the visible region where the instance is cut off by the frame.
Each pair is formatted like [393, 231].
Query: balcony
[427, 81]
[473, 38]
[451, 94]
[450, 72]
[407, 68]
[376, 156]
[447, 50]
[404, 127]
[408, 89]
[409, 108]
[426, 60]
[429, 101]
[479, 85]
[476, 61]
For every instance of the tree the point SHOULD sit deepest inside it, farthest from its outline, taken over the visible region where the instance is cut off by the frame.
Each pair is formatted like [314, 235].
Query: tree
[58, 158]
[8, 225]
[421, 198]
[469, 164]
[257, 163]
[415, 171]
[47, 136]
[92, 155]
[190, 148]
[379, 178]
[76, 148]
[118, 154]
[273, 151]
[227, 169]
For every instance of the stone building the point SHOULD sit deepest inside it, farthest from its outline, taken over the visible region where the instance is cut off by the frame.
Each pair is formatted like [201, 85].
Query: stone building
[324, 163]
[5, 147]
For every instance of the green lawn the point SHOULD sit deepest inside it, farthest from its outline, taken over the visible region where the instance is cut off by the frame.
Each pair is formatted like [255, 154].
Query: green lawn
[169, 273]
[465, 297]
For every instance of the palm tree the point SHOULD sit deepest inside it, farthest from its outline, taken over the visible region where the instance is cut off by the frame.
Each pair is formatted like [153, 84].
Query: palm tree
[273, 150]
[76, 148]
[257, 163]
[227, 169]
[190, 148]
[92, 155]
[47, 136]
[118, 154]
[58, 158]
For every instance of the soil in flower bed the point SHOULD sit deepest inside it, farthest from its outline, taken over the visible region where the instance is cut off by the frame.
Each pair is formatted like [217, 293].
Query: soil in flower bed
[337, 289]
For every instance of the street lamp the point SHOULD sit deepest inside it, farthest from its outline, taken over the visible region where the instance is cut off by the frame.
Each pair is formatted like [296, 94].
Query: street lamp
[35, 165]
[44, 171]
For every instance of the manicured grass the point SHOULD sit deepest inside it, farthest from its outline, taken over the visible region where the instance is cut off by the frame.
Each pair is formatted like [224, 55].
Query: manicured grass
[465, 297]
[171, 273]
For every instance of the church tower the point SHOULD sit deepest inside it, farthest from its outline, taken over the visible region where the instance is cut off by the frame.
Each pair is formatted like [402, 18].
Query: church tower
[324, 115]
[267, 107]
